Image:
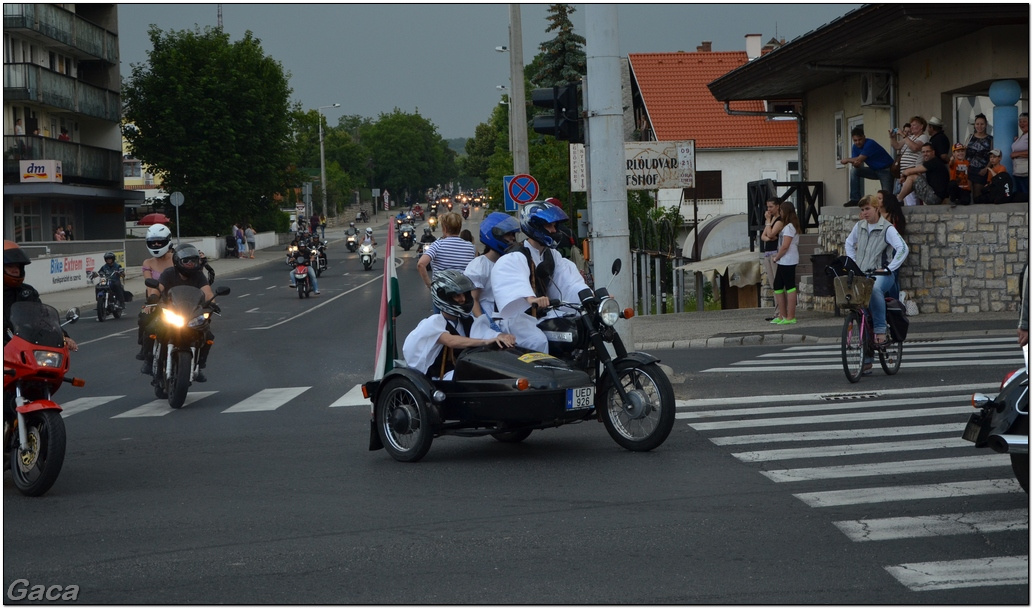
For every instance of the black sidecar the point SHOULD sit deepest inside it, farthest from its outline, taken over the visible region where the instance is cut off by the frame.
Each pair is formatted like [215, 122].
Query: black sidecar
[503, 393]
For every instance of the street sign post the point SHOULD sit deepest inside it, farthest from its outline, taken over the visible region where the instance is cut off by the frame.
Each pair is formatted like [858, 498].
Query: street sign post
[519, 189]
[176, 199]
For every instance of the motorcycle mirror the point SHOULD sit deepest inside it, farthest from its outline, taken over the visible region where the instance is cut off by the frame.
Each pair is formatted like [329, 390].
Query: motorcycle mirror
[222, 290]
[72, 314]
[616, 268]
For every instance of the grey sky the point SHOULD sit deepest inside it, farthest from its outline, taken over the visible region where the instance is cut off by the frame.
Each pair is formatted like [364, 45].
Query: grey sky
[440, 58]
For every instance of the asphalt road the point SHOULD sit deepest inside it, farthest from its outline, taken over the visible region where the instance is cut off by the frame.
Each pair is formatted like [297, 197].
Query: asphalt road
[221, 503]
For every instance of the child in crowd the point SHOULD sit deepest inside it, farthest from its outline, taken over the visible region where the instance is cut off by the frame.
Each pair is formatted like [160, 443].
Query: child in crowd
[959, 190]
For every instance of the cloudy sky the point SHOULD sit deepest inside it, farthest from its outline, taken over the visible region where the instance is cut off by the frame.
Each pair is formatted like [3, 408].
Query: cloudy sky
[440, 59]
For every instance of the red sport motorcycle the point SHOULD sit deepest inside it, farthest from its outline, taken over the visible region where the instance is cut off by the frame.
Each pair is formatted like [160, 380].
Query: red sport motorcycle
[35, 365]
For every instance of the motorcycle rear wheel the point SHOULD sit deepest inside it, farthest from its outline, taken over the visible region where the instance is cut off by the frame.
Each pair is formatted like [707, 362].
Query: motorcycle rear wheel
[403, 421]
[1020, 466]
[653, 397]
[182, 363]
[36, 471]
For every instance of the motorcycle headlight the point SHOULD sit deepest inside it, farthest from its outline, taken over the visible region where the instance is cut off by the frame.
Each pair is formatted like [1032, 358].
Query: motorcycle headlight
[199, 320]
[609, 311]
[48, 359]
[173, 319]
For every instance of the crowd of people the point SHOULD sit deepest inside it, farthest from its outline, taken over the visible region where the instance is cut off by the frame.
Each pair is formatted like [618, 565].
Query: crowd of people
[925, 169]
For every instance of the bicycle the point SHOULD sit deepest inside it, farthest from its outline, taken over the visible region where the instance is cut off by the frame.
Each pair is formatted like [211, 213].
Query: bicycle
[858, 338]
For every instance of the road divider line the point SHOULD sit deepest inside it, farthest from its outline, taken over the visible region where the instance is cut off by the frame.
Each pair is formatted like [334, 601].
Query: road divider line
[954, 411]
[894, 468]
[966, 573]
[160, 408]
[903, 364]
[320, 305]
[836, 434]
[768, 399]
[844, 450]
[910, 527]
[825, 407]
[884, 494]
[83, 404]
[267, 399]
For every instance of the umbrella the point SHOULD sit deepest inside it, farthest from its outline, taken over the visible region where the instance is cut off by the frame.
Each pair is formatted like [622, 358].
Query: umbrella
[150, 219]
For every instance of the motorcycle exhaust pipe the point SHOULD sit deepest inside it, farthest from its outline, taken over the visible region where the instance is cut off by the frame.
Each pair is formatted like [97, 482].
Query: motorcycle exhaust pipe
[1009, 443]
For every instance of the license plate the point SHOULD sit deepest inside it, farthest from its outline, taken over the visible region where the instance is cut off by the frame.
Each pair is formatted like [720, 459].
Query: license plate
[580, 398]
[974, 430]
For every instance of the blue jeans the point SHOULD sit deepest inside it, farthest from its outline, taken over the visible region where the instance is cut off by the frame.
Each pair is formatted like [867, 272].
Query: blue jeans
[884, 284]
[857, 174]
[311, 279]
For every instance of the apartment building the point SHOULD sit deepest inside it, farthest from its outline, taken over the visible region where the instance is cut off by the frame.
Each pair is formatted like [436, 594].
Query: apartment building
[63, 163]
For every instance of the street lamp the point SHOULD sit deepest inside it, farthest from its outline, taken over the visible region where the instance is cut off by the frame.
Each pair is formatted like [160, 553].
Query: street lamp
[322, 154]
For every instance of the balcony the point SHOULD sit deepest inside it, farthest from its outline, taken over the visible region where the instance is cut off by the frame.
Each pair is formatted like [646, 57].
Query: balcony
[65, 29]
[79, 163]
[29, 82]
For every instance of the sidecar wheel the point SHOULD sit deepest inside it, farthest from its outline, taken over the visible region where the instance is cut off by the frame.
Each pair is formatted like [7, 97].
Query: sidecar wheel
[647, 422]
[1020, 465]
[403, 421]
[512, 437]
[35, 471]
[182, 362]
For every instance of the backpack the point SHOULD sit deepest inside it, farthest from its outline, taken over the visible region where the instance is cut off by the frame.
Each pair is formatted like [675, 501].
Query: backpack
[896, 319]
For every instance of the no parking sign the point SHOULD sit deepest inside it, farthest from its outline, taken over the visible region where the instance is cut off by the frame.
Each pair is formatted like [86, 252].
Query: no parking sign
[519, 189]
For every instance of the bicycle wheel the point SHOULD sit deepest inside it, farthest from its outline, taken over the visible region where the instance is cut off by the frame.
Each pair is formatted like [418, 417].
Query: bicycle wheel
[890, 356]
[852, 347]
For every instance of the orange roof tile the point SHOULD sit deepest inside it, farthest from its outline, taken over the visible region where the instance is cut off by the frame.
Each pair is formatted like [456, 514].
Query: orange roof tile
[681, 107]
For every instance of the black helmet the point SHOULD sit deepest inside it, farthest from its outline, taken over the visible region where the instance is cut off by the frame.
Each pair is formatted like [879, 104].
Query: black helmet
[187, 260]
[109, 255]
[445, 286]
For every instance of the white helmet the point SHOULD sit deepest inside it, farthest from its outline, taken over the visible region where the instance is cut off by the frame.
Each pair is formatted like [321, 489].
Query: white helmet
[159, 240]
[369, 231]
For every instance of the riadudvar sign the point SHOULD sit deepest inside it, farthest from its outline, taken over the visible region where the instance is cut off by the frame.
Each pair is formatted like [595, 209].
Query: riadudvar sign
[648, 165]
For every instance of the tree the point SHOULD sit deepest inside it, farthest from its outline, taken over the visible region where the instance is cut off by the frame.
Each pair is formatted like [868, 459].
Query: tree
[562, 60]
[212, 119]
[407, 153]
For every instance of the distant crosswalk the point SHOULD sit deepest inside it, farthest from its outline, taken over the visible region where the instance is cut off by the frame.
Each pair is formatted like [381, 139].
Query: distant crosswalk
[840, 450]
[984, 351]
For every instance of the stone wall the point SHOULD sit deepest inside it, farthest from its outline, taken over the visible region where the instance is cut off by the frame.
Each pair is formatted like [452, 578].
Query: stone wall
[963, 260]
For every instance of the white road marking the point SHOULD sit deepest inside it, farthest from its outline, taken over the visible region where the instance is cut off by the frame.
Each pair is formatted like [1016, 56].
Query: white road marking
[267, 399]
[352, 398]
[973, 461]
[160, 408]
[843, 450]
[904, 364]
[836, 434]
[792, 397]
[837, 418]
[825, 406]
[883, 494]
[967, 573]
[322, 304]
[909, 527]
[83, 404]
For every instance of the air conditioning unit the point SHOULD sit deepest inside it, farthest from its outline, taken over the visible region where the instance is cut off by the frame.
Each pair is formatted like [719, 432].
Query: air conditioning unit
[875, 89]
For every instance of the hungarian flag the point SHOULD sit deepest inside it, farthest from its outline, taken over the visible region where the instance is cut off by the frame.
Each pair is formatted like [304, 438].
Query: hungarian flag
[390, 308]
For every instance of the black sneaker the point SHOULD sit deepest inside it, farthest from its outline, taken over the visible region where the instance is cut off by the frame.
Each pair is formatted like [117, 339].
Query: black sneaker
[201, 378]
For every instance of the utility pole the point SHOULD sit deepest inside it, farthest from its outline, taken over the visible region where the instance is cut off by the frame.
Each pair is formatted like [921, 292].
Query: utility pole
[517, 100]
[604, 149]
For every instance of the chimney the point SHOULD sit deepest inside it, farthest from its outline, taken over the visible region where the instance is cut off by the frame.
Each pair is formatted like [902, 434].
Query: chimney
[704, 48]
[752, 46]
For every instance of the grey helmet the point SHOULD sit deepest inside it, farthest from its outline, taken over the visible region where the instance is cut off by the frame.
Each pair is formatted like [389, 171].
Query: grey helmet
[445, 286]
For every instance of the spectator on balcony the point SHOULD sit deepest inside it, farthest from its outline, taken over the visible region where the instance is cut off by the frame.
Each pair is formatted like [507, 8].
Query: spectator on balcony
[68, 233]
[909, 143]
[958, 189]
[18, 128]
[978, 154]
[867, 152]
[941, 143]
[64, 137]
[59, 234]
[928, 180]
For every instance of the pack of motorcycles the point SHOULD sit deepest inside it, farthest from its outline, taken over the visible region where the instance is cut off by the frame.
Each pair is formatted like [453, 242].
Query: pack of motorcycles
[36, 365]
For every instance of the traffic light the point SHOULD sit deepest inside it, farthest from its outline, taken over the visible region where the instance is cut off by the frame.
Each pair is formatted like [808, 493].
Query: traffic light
[564, 123]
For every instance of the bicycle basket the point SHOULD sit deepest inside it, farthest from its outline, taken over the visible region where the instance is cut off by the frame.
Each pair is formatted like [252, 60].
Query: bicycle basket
[856, 295]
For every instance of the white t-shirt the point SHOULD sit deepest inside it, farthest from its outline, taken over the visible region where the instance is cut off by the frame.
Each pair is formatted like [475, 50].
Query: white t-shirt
[792, 255]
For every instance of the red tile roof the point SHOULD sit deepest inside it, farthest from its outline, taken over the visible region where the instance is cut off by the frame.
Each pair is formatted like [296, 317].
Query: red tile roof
[681, 107]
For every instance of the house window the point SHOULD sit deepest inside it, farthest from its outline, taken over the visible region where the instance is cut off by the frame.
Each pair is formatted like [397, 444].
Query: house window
[708, 186]
[26, 219]
[131, 168]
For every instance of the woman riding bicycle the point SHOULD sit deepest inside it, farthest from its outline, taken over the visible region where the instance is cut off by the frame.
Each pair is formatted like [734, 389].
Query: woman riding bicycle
[874, 244]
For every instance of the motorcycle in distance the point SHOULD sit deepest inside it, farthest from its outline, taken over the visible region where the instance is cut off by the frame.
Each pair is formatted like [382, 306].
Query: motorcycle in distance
[183, 329]
[1002, 423]
[35, 365]
[406, 236]
[368, 255]
[352, 242]
[509, 393]
[301, 279]
[362, 216]
[106, 301]
[466, 211]
[432, 222]
[317, 251]
[417, 210]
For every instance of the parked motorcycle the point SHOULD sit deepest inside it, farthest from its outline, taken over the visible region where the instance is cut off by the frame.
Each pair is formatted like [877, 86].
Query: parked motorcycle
[368, 255]
[512, 392]
[184, 321]
[362, 216]
[352, 242]
[406, 236]
[107, 303]
[301, 278]
[35, 364]
[1002, 423]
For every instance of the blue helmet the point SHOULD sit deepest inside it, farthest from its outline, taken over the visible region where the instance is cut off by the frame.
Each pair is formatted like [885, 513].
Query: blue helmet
[495, 227]
[533, 218]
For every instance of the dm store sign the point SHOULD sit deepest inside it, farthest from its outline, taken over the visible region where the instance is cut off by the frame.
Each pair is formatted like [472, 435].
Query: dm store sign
[41, 171]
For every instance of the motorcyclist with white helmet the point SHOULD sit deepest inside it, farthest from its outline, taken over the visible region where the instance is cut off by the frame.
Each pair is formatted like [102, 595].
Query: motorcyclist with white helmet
[533, 272]
[368, 238]
[159, 244]
[432, 347]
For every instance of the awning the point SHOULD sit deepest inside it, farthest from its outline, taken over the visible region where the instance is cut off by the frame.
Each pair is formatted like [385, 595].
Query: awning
[742, 268]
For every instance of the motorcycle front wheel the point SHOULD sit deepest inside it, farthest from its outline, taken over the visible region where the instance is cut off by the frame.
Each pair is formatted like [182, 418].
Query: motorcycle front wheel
[36, 470]
[102, 310]
[182, 363]
[403, 421]
[646, 421]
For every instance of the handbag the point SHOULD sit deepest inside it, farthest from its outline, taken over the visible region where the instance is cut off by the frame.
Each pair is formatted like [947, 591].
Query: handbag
[910, 306]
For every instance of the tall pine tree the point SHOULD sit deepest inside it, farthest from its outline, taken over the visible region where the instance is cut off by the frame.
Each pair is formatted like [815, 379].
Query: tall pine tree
[562, 59]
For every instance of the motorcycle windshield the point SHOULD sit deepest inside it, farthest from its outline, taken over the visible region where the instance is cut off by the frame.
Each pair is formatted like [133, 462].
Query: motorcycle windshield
[37, 323]
[184, 298]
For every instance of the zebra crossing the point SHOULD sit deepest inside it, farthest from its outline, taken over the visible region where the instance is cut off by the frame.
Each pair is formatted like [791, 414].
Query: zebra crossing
[983, 351]
[266, 400]
[839, 450]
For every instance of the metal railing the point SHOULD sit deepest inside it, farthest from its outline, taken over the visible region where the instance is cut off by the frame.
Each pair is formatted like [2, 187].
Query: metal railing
[79, 162]
[25, 81]
[63, 26]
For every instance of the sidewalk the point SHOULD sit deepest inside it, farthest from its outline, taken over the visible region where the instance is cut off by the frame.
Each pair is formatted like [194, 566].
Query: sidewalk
[697, 329]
